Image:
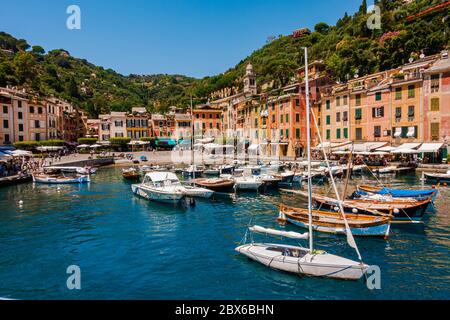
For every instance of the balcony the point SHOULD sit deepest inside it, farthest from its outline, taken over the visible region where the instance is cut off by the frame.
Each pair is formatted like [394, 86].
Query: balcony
[411, 119]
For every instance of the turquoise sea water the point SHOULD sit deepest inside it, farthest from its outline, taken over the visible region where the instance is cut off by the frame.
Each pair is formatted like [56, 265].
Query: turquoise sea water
[130, 248]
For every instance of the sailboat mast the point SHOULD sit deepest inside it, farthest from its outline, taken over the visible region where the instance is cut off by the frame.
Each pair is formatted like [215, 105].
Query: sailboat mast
[308, 138]
[192, 140]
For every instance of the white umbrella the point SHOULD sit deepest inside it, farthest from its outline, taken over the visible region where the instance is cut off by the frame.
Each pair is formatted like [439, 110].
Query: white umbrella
[83, 146]
[95, 146]
[21, 153]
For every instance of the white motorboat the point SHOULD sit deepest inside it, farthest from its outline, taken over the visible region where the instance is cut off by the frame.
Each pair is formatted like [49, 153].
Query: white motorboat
[80, 170]
[212, 172]
[386, 170]
[193, 170]
[160, 187]
[52, 179]
[248, 183]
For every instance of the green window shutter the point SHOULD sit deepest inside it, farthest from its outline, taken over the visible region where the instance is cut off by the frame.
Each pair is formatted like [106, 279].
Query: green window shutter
[338, 133]
[297, 133]
[328, 120]
[345, 133]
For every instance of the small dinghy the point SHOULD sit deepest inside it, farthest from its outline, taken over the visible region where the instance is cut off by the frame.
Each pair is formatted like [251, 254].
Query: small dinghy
[217, 184]
[131, 174]
[299, 260]
[438, 177]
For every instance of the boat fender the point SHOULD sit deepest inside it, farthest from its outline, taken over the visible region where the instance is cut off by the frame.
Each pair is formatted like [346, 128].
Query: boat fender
[396, 211]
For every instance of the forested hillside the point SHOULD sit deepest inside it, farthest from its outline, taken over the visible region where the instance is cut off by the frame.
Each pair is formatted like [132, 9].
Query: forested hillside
[347, 48]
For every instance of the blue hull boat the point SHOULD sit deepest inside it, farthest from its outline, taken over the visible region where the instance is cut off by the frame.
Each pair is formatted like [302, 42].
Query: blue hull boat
[399, 193]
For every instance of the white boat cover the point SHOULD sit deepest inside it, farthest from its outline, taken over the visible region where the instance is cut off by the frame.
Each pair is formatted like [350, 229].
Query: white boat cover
[162, 176]
[430, 147]
[273, 232]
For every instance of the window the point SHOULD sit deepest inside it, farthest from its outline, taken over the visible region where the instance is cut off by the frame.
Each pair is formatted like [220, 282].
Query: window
[378, 96]
[19, 104]
[20, 138]
[287, 118]
[358, 133]
[118, 123]
[37, 136]
[435, 104]
[338, 101]
[5, 124]
[210, 115]
[328, 134]
[345, 133]
[411, 91]
[398, 93]
[358, 100]
[377, 131]
[358, 114]
[273, 106]
[281, 133]
[378, 112]
[7, 138]
[203, 116]
[345, 116]
[20, 115]
[328, 104]
[256, 122]
[297, 133]
[435, 84]
[297, 117]
[20, 127]
[40, 110]
[338, 133]
[435, 131]
[328, 120]
[411, 111]
[287, 133]
[5, 109]
[345, 100]
[338, 117]
[210, 125]
[398, 112]
[31, 109]
[37, 124]
[281, 118]
[273, 118]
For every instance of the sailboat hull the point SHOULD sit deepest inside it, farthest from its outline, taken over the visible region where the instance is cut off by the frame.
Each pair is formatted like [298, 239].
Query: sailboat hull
[300, 261]
[331, 222]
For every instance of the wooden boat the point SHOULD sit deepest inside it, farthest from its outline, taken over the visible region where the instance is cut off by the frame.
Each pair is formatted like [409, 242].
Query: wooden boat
[131, 174]
[216, 184]
[333, 222]
[399, 210]
[157, 186]
[401, 193]
[438, 177]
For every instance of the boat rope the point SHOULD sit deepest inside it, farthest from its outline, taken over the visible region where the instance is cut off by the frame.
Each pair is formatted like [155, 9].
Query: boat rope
[373, 174]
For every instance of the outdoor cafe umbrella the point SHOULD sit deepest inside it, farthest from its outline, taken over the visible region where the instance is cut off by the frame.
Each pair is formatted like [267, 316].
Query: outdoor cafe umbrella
[95, 146]
[21, 153]
[82, 146]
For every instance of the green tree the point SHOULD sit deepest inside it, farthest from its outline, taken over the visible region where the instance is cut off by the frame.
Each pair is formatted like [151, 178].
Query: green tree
[25, 67]
[38, 50]
[322, 27]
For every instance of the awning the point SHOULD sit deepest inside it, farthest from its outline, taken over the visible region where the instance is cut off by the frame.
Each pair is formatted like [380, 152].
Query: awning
[409, 146]
[385, 149]
[253, 147]
[430, 147]
[405, 151]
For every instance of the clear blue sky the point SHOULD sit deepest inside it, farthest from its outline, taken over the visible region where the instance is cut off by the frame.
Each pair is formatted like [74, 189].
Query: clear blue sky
[191, 37]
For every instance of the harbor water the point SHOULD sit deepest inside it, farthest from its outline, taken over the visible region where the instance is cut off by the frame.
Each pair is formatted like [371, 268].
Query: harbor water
[130, 248]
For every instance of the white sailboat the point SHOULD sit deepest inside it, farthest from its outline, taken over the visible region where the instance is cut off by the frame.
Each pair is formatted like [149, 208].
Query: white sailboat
[300, 260]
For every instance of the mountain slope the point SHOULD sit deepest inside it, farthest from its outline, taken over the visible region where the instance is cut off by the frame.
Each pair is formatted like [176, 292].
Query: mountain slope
[347, 48]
